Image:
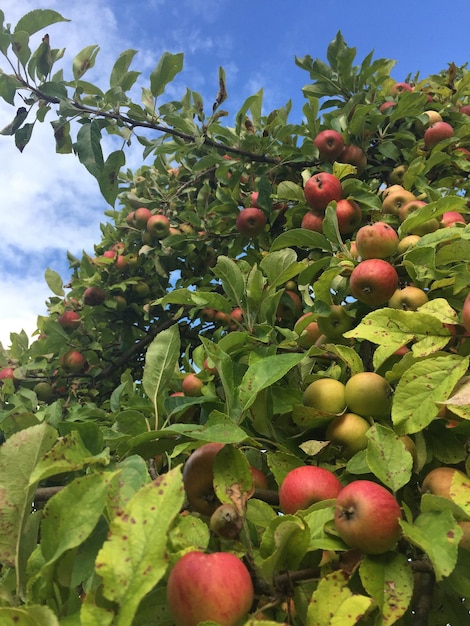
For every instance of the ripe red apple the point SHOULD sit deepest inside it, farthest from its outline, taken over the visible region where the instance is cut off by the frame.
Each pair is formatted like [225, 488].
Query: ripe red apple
[251, 222]
[73, 361]
[130, 218]
[376, 241]
[141, 217]
[399, 88]
[336, 323]
[466, 313]
[320, 189]
[354, 156]
[367, 517]
[465, 109]
[7, 372]
[348, 431]
[439, 480]
[437, 132]
[449, 218]
[213, 587]
[69, 320]
[236, 318]
[158, 226]
[330, 144]
[93, 296]
[326, 395]
[198, 479]
[369, 395]
[349, 216]
[312, 221]
[409, 298]
[122, 263]
[387, 106]
[192, 385]
[303, 486]
[373, 282]
[109, 254]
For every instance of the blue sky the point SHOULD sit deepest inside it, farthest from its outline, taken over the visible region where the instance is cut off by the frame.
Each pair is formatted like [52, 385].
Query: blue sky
[49, 204]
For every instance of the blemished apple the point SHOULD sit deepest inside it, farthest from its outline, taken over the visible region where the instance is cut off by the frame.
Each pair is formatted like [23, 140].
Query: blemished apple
[192, 385]
[466, 313]
[303, 486]
[354, 155]
[367, 517]
[69, 320]
[226, 522]
[214, 587]
[376, 241]
[73, 361]
[394, 200]
[330, 144]
[437, 132]
[251, 222]
[158, 226]
[320, 189]
[399, 88]
[408, 298]
[349, 216]
[373, 282]
[336, 323]
[369, 395]
[326, 395]
[312, 221]
[439, 480]
[93, 296]
[349, 432]
[198, 479]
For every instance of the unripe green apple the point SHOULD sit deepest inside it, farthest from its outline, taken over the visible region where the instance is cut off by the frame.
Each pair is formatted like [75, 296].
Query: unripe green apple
[44, 391]
[409, 298]
[303, 486]
[408, 242]
[369, 395]
[326, 395]
[336, 323]
[348, 431]
[439, 480]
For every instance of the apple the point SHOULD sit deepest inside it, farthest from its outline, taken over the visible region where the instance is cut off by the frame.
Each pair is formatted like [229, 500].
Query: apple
[326, 395]
[465, 526]
[428, 226]
[158, 226]
[226, 522]
[7, 373]
[290, 306]
[93, 296]
[433, 117]
[439, 480]
[208, 314]
[251, 222]
[437, 132]
[408, 242]
[73, 361]
[118, 247]
[320, 189]
[354, 156]
[141, 289]
[399, 88]
[305, 485]
[109, 254]
[141, 217]
[121, 302]
[130, 219]
[376, 241]
[254, 195]
[312, 221]
[214, 587]
[236, 318]
[465, 109]
[369, 395]
[394, 200]
[367, 517]
[44, 391]
[122, 263]
[387, 106]
[463, 152]
[373, 282]
[409, 298]
[69, 320]
[349, 216]
[308, 334]
[192, 385]
[397, 175]
[198, 478]
[449, 218]
[466, 314]
[330, 144]
[348, 431]
[336, 323]
[391, 189]
[260, 480]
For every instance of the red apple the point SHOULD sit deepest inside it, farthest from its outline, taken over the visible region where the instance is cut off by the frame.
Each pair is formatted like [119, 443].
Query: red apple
[349, 216]
[466, 313]
[306, 485]
[260, 480]
[73, 361]
[158, 226]
[399, 88]
[312, 221]
[367, 517]
[192, 385]
[198, 479]
[354, 156]
[387, 106]
[437, 132]
[109, 254]
[330, 144]
[141, 217]
[213, 587]
[465, 109]
[320, 189]
[254, 199]
[376, 241]
[122, 263]
[449, 218]
[7, 372]
[251, 222]
[373, 282]
[93, 296]
[69, 320]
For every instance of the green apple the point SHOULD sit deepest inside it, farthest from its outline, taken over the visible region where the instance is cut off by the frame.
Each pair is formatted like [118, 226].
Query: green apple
[326, 395]
[348, 431]
[409, 298]
[369, 395]
[336, 323]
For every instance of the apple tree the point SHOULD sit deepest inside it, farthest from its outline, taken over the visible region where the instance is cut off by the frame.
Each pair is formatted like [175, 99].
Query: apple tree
[250, 402]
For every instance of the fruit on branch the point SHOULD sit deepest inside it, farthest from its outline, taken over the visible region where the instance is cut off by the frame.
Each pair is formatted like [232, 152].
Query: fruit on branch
[260, 480]
[399, 88]
[367, 517]
[73, 361]
[433, 117]
[466, 313]
[409, 298]
[236, 318]
[320, 189]
[349, 432]
[438, 481]
[428, 226]
[251, 222]
[7, 373]
[465, 109]
[449, 218]
[349, 216]
[44, 391]
[303, 486]
[192, 385]
[290, 306]
[158, 226]
[330, 144]
[376, 241]
[354, 156]
[214, 587]
[437, 132]
[109, 254]
[198, 479]
[397, 175]
[369, 395]
[408, 242]
[93, 296]
[309, 334]
[226, 522]
[141, 217]
[312, 221]
[69, 320]
[336, 323]
[326, 395]
[387, 106]
[373, 282]
[394, 199]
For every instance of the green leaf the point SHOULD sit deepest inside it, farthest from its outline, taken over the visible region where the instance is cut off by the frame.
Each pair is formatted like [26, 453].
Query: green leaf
[389, 580]
[121, 67]
[109, 176]
[84, 60]
[233, 481]
[54, 282]
[283, 545]
[38, 19]
[220, 428]
[161, 360]
[88, 147]
[168, 66]
[281, 266]
[198, 298]
[134, 557]
[8, 87]
[424, 384]
[438, 535]
[388, 457]
[232, 279]
[23, 135]
[288, 190]
[63, 140]
[28, 616]
[317, 517]
[224, 364]
[302, 238]
[19, 44]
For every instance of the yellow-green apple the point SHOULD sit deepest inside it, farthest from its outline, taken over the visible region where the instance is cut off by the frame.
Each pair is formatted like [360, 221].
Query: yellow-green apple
[312, 221]
[408, 242]
[376, 241]
[192, 385]
[69, 320]
[336, 323]
[305, 485]
[394, 200]
[439, 481]
[93, 296]
[433, 117]
[409, 298]
[326, 395]
[73, 361]
[449, 218]
[466, 313]
[369, 395]
[329, 144]
[428, 226]
[399, 88]
[349, 432]
[437, 132]
[214, 587]
[226, 522]
[290, 306]
[354, 156]
[367, 517]
[44, 391]
[141, 289]
[308, 332]
[391, 189]
[251, 222]
[349, 216]
[397, 174]
[158, 226]
[141, 217]
[320, 189]
[198, 479]
[373, 282]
